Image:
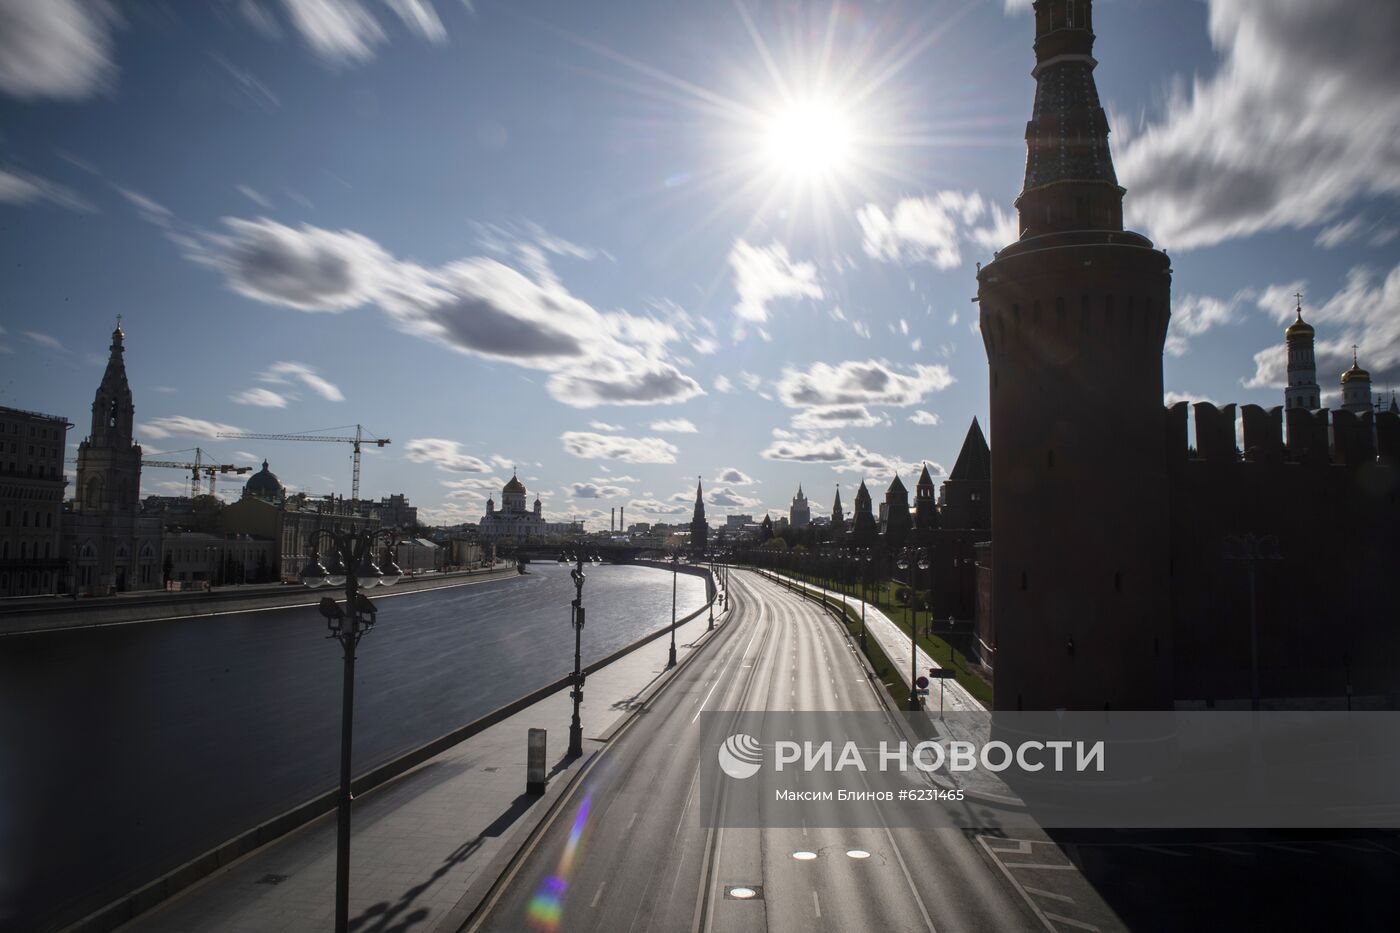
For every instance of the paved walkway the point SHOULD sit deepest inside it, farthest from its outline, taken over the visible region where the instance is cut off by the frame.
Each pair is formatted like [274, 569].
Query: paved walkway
[420, 841]
[894, 642]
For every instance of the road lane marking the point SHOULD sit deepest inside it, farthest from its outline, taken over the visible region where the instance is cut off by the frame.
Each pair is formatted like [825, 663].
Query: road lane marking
[1077, 924]
[816, 904]
[1039, 892]
[631, 821]
[599, 894]
[718, 680]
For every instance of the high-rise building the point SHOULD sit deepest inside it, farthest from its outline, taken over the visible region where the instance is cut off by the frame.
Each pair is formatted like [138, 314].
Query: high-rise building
[800, 513]
[116, 547]
[31, 499]
[1074, 317]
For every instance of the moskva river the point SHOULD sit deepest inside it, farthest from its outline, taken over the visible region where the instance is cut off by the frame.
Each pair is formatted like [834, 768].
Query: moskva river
[125, 751]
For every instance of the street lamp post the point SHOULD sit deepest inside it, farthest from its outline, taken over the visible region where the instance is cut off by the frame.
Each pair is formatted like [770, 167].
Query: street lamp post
[913, 642]
[576, 618]
[864, 596]
[714, 584]
[347, 626]
[675, 569]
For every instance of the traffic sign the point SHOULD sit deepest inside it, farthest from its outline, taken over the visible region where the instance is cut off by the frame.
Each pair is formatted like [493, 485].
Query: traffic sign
[943, 672]
[921, 683]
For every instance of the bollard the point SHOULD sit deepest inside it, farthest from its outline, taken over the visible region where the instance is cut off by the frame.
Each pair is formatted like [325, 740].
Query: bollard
[534, 762]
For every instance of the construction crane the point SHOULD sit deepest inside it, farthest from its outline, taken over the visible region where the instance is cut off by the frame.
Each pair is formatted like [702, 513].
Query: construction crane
[358, 439]
[198, 469]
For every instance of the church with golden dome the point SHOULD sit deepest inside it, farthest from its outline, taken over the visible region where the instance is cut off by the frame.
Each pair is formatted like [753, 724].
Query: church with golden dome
[514, 521]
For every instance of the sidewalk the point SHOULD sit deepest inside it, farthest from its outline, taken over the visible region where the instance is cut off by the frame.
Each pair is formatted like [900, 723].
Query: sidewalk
[421, 840]
[894, 642]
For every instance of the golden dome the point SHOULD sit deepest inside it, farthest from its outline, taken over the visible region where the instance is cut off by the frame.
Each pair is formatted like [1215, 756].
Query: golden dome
[1299, 328]
[1355, 373]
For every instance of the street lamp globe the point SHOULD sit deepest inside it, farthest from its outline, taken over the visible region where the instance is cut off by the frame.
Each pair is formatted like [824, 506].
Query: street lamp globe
[335, 569]
[368, 573]
[390, 568]
[314, 573]
[903, 563]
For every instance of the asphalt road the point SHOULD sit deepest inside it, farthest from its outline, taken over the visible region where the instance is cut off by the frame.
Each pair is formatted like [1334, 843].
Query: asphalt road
[630, 852]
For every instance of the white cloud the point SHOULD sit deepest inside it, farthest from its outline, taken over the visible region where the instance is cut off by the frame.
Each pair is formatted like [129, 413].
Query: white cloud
[763, 274]
[287, 372]
[854, 382]
[340, 32]
[479, 306]
[933, 228]
[264, 398]
[1194, 315]
[613, 447]
[20, 187]
[1299, 120]
[723, 385]
[310, 269]
[55, 48]
[652, 508]
[726, 498]
[734, 476]
[839, 455]
[445, 455]
[675, 425]
[252, 194]
[420, 17]
[47, 341]
[149, 208]
[183, 426]
[596, 491]
[826, 417]
[604, 426]
[926, 418]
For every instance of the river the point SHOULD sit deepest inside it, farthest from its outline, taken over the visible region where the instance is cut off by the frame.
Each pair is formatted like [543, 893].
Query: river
[126, 750]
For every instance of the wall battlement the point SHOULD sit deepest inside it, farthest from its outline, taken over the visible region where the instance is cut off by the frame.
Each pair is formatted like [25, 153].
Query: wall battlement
[1257, 435]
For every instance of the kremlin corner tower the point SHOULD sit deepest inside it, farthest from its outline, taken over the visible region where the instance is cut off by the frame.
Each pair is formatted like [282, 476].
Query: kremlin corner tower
[1074, 316]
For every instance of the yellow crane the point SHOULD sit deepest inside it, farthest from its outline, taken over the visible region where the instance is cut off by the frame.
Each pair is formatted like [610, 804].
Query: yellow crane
[361, 436]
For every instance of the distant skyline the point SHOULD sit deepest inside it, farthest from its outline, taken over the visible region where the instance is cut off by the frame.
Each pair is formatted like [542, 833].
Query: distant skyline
[619, 245]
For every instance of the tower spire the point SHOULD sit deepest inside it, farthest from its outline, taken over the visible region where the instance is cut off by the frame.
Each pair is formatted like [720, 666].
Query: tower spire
[1070, 182]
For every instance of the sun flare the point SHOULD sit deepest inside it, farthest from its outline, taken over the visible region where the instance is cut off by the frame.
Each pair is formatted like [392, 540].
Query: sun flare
[808, 140]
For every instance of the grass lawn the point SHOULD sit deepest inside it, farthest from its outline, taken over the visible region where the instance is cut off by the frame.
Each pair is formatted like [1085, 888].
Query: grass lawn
[882, 595]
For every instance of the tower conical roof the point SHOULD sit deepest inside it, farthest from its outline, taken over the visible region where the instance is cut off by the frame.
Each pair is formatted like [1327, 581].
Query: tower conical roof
[974, 462]
[924, 478]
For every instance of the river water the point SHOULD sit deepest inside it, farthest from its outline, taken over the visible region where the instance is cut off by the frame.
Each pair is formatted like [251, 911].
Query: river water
[127, 750]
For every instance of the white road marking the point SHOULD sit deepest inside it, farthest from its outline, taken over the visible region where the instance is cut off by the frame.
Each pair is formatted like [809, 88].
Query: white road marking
[816, 904]
[631, 821]
[1042, 893]
[706, 700]
[1077, 924]
[599, 894]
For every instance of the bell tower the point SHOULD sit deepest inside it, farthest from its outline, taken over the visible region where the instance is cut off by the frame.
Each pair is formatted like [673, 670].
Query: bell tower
[1073, 317]
[109, 460]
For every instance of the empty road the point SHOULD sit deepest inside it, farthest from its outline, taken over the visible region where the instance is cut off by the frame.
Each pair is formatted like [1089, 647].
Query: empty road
[630, 852]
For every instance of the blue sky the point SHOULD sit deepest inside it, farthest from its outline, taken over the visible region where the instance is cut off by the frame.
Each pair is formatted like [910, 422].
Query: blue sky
[621, 245]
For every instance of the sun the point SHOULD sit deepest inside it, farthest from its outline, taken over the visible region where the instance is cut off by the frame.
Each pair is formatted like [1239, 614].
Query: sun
[808, 140]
